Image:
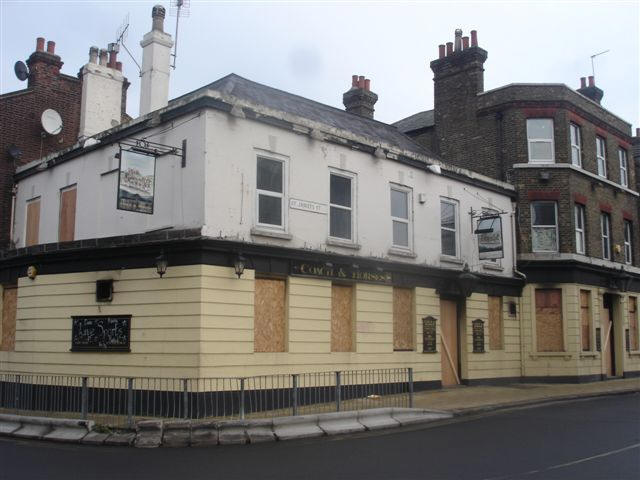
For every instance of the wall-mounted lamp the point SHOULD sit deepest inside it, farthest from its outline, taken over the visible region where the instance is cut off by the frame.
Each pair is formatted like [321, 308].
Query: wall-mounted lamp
[32, 272]
[161, 264]
[238, 264]
[621, 281]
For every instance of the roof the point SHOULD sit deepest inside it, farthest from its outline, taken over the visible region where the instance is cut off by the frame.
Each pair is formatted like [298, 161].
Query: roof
[416, 121]
[275, 99]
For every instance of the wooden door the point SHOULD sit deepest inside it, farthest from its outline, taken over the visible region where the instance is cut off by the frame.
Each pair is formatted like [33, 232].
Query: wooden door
[607, 332]
[67, 223]
[449, 342]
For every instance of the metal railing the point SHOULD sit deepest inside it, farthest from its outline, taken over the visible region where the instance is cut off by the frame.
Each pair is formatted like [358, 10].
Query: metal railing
[120, 401]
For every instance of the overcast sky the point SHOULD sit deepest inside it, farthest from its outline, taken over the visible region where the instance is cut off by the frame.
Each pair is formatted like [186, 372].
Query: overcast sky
[311, 48]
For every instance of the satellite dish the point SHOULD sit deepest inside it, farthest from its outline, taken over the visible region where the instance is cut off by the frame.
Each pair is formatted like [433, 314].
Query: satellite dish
[51, 122]
[21, 70]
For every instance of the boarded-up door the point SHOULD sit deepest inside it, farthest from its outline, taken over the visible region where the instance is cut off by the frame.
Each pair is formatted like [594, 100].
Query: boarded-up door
[549, 332]
[9, 308]
[269, 321]
[33, 222]
[449, 342]
[585, 319]
[606, 320]
[67, 224]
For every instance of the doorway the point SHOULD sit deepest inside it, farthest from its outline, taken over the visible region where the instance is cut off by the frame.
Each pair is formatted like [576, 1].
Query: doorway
[449, 343]
[608, 348]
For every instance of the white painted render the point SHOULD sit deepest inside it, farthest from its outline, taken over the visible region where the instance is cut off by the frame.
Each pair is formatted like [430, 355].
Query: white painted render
[154, 75]
[101, 104]
[217, 192]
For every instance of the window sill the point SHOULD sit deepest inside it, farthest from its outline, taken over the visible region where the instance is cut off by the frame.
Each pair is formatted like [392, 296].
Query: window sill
[401, 253]
[449, 259]
[334, 242]
[259, 232]
[566, 356]
[491, 266]
[634, 353]
[114, 170]
[589, 354]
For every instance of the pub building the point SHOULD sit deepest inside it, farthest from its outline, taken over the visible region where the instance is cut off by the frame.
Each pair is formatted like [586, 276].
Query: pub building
[241, 230]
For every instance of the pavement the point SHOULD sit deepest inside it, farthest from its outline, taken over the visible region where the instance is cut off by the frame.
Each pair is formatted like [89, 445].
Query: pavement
[465, 400]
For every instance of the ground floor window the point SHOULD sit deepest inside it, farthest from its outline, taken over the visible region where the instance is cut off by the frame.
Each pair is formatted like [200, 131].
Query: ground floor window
[495, 323]
[549, 330]
[585, 319]
[9, 297]
[342, 318]
[269, 332]
[403, 319]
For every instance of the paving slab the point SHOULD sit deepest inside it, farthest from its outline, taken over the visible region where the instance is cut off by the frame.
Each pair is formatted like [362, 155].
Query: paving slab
[204, 434]
[120, 439]
[176, 433]
[94, 438]
[377, 419]
[290, 428]
[31, 430]
[409, 416]
[260, 431]
[66, 434]
[7, 428]
[233, 432]
[340, 423]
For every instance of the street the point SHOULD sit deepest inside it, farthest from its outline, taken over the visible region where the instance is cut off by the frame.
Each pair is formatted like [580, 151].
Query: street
[591, 439]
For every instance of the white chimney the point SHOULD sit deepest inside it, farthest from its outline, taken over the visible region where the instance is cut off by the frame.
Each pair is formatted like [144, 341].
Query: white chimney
[156, 58]
[102, 82]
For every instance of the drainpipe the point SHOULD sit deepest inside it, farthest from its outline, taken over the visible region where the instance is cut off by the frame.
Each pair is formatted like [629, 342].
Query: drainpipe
[524, 277]
[14, 191]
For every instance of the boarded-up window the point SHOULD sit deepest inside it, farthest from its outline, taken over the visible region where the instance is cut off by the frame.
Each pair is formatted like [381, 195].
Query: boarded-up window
[549, 320]
[67, 223]
[8, 326]
[585, 319]
[341, 318]
[495, 323]
[33, 222]
[269, 321]
[633, 323]
[402, 319]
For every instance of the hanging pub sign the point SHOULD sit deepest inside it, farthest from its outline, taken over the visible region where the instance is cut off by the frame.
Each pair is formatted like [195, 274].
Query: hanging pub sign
[340, 272]
[477, 329]
[489, 231]
[136, 181]
[100, 333]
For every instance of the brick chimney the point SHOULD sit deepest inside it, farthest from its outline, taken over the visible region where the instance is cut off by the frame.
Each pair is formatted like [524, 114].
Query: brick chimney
[359, 99]
[44, 65]
[156, 60]
[458, 79]
[590, 91]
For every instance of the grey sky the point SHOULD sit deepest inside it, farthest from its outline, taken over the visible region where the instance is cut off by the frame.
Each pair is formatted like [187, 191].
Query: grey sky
[312, 48]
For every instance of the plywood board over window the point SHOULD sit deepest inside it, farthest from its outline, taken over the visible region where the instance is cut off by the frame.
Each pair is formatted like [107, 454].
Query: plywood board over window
[33, 223]
[549, 332]
[633, 323]
[495, 323]
[585, 319]
[8, 325]
[269, 318]
[341, 318]
[67, 223]
[403, 319]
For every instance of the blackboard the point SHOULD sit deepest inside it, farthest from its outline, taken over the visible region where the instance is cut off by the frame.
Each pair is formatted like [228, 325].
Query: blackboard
[598, 340]
[478, 336]
[101, 333]
[627, 340]
[429, 335]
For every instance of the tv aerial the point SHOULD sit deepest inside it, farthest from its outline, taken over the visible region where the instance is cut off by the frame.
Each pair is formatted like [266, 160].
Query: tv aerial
[51, 121]
[21, 71]
[593, 69]
[178, 8]
[121, 37]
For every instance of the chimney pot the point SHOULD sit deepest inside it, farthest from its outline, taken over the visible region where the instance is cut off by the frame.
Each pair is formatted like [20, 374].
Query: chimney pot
[592, 82]
[361, 81]
[51, 47]
[367, 84]
[157, 14]
[441, 53]
[354, 81]
[583, 82]
[93, 54]
[39, 44]
[474, 38]
[449, 48]
[103, 57]
[458, 40]
[637, 132]
[113, 56]
[465, 43]
[119, 66]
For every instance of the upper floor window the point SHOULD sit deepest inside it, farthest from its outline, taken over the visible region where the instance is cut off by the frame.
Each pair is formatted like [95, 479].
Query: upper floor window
[544, 227]
[341, 206]
[270, 192]
[601, 156]
[400, 216]
[576, 145]
[540, 140]
[605, 228]
[579, 219]
[628, 242]
[624, 175]
[448, 227]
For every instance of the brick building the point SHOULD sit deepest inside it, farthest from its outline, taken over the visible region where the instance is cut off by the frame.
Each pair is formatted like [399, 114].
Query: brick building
[572, 163]
[23, 138]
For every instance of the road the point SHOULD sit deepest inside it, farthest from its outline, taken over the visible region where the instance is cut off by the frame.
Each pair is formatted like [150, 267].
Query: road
[591, 439]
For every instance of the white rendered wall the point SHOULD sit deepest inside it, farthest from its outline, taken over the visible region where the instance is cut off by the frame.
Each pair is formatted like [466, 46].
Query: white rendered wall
[230, 199]
[178, 191]
[101, 103]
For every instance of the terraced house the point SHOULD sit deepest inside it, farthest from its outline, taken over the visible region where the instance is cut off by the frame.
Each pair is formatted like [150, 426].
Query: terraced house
[242, 230]
[570, 160]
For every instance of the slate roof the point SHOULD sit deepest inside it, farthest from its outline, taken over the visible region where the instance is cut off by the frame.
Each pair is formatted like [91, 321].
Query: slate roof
[275, 99]
[416, 121]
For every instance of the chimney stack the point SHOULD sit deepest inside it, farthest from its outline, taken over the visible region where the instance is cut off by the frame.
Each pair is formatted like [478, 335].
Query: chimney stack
[360, 99]
[44, 65]
[590, 91]
[156, 59]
